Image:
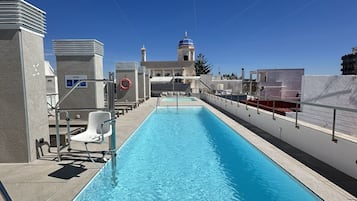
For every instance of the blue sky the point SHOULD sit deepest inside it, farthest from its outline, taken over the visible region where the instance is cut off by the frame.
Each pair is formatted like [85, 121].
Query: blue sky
[254, 34]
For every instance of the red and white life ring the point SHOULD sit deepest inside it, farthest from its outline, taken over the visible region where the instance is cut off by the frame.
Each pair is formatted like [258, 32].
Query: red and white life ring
[125, 84]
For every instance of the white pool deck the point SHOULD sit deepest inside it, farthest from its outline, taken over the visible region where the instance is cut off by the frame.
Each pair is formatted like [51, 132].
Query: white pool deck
[47, 179]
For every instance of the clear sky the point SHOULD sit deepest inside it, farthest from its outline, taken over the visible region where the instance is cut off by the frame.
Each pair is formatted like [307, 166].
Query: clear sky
[254, 34]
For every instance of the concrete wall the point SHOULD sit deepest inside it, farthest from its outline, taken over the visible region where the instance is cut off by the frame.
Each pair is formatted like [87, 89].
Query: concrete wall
[90, 97]
[147, 84]
[127, 70]
[99, 74]
[142, 83]
[35, 83]
[311, 139]
[336, 90]
[23, 105]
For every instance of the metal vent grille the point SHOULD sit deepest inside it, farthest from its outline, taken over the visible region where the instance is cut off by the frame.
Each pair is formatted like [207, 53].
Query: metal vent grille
[18, 13]
[78, 47]
[127, 65]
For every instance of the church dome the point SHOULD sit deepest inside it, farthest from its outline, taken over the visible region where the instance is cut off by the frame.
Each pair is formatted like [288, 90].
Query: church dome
[186, 41]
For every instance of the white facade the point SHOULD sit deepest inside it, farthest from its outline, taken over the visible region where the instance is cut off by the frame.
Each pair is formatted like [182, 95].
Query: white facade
[184, 66]
[221, 86]
[51, 85]
[279, 83]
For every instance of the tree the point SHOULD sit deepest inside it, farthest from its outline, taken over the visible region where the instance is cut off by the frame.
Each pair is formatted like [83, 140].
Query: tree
[201, 65]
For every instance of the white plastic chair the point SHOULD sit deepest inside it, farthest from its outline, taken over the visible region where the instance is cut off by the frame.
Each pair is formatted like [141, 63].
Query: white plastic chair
[99, 127]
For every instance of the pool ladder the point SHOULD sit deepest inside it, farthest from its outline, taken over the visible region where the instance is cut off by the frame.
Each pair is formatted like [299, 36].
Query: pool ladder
[157, 102]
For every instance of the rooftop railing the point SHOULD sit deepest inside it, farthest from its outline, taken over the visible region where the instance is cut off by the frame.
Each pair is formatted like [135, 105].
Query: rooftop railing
[330, 116]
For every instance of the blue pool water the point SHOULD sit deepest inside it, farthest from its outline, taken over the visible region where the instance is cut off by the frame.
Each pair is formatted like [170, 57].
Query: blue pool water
[180, 99]
[189, 154]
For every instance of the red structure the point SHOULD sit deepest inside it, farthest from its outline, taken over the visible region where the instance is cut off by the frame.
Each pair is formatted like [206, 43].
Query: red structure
[280, 107]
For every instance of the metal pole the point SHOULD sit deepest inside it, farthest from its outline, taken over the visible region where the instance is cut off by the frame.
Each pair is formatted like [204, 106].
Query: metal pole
[57, 134]
[333, 126]
[111, 108]
[176, 101]
[296, 115]
[68, 130]
[250, 83]
[258, 106]
[274, 109]
[173, 84]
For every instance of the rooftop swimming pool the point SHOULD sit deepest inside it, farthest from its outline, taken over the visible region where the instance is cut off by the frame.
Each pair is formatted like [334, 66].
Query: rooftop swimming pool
[190, 154]
[180, 99]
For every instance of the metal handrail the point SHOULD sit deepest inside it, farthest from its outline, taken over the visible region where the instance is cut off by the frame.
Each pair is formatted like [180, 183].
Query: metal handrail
[75, 87]
[81, 109]
[315, 104]
[4, 193]
[177, 101]
[334, 108]
[206, 85]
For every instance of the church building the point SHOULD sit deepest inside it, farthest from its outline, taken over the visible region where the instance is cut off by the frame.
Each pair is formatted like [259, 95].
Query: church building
[165, 71]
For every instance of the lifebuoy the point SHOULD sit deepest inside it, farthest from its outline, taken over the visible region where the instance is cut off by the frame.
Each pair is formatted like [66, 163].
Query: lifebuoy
[125, 83]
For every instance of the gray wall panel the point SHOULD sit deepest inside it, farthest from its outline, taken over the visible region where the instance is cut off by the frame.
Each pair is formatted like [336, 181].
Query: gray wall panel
[22, 96]
[35, 84]
[12, 118]
[80, 57]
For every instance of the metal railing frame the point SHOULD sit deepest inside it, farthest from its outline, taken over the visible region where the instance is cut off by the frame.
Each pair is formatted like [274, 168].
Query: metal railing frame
[334, 108]
[110, 109]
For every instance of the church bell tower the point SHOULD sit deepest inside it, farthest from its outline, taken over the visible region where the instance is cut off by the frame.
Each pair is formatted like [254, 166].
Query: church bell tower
[186, 49]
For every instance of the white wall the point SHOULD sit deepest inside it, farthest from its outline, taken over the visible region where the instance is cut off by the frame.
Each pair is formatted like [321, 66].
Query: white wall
[218, 84]
[280, 83]
[311, 139]
[336, 90]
